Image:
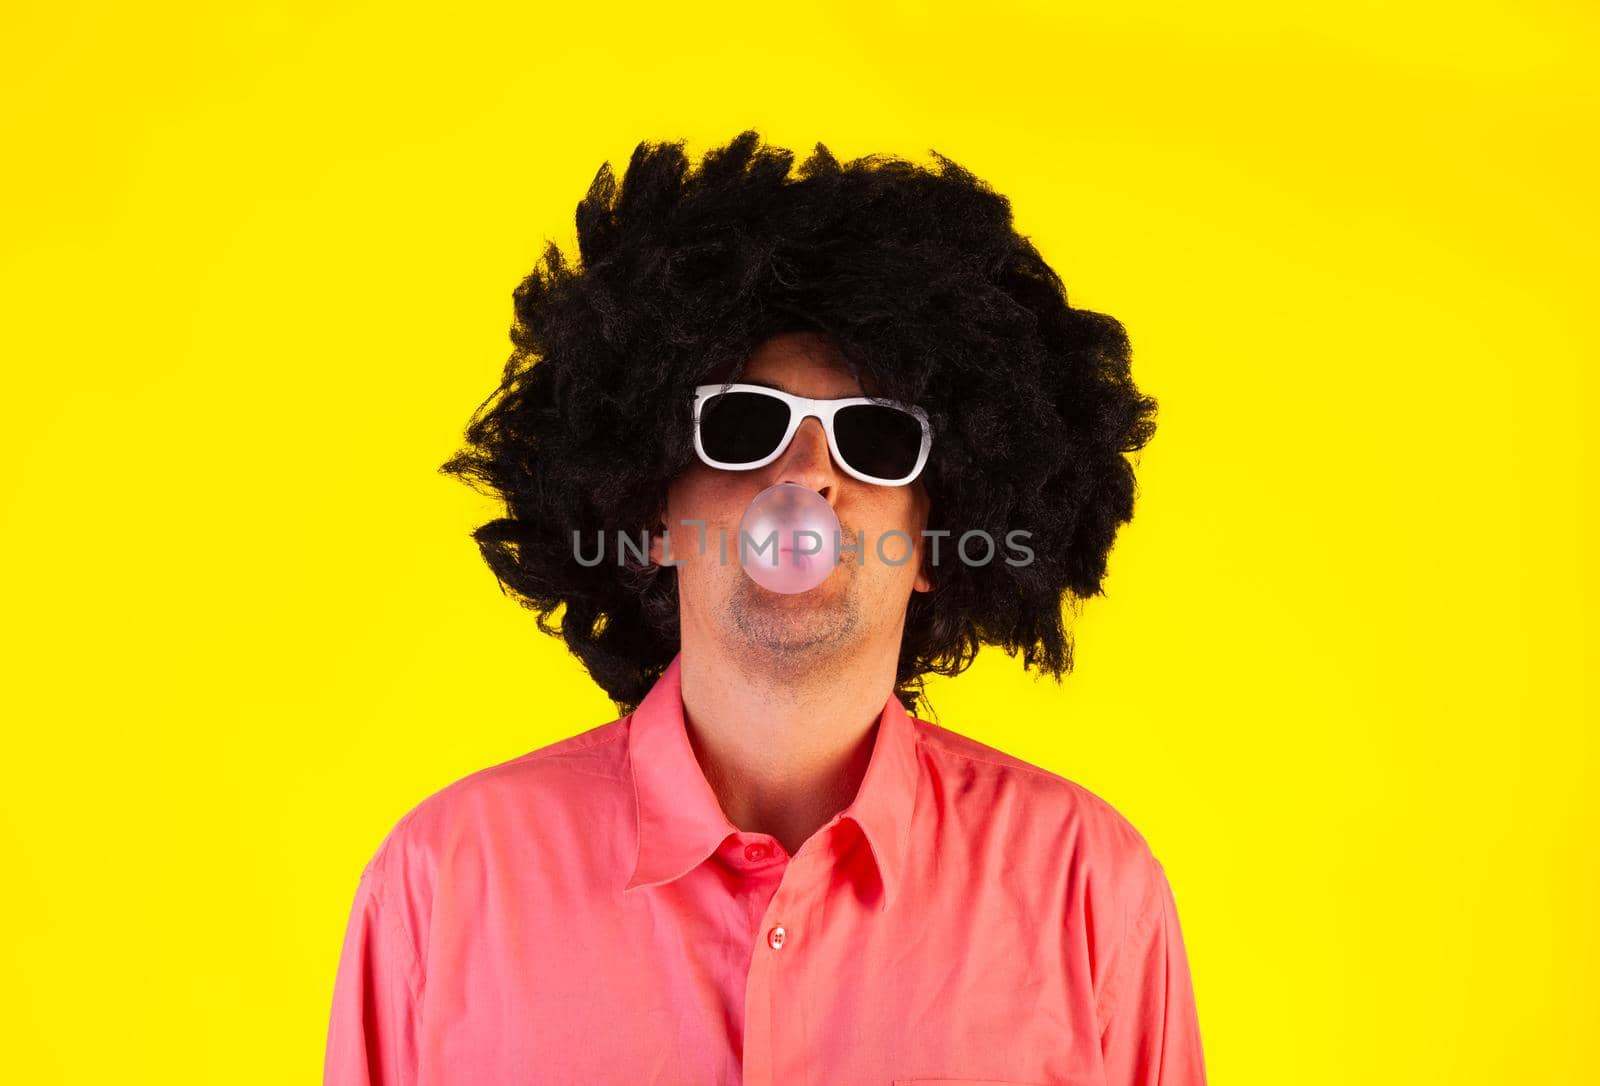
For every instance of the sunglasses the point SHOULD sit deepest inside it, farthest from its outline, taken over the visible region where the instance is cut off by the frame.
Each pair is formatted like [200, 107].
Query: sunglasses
[740, 427]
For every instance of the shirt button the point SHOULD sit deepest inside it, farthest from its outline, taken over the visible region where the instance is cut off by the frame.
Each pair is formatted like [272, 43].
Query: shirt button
[776, 937]
[756, 852]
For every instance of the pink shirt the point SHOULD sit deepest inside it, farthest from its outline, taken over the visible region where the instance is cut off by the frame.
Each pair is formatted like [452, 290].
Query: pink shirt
[587, 914]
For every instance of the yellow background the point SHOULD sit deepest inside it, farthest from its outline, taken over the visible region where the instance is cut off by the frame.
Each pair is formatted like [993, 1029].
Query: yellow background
[258, 272]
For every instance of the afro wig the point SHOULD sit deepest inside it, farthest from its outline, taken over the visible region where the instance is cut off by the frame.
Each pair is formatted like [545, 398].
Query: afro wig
[918, 277]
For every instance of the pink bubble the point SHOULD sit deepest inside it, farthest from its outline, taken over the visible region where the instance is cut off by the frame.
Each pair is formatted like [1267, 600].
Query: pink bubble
[788, 539]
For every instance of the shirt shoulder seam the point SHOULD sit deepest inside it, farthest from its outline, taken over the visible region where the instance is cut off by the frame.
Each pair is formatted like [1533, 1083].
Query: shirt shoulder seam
[1020, 765]
[488, 773]
[416, 975]
[1151, 910]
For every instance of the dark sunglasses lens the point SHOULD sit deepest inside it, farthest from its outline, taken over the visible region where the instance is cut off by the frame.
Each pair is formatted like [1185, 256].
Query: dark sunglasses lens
[878, 440]
[742, 427]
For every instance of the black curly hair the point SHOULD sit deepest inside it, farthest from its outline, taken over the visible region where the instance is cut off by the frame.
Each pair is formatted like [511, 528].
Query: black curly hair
[919, 279]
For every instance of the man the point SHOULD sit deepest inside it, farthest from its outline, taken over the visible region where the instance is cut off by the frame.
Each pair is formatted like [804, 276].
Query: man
[767, 870]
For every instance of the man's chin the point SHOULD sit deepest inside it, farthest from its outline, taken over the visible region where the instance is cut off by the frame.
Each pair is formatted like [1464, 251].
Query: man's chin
[818, 622]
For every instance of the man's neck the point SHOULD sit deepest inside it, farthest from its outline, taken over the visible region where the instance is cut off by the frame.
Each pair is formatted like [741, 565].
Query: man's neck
[783, 753]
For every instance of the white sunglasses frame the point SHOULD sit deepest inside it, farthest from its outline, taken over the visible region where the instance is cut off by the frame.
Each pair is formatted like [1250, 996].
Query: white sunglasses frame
[802, 408]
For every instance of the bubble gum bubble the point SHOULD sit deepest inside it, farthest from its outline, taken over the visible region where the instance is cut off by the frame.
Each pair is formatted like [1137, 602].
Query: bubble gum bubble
[787, 539]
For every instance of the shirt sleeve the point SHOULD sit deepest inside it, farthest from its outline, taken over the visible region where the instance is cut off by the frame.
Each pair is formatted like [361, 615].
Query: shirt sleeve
[372, 1032]
[1150, 1035]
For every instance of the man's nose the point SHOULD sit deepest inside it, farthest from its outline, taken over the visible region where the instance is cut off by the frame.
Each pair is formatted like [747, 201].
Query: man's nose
[807, 461]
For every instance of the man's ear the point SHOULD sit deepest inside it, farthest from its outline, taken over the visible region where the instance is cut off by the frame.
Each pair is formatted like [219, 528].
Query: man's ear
[656, 527]
[924, 581]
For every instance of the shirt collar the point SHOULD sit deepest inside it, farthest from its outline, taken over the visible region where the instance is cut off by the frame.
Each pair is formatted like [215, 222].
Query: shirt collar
[681, 822]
